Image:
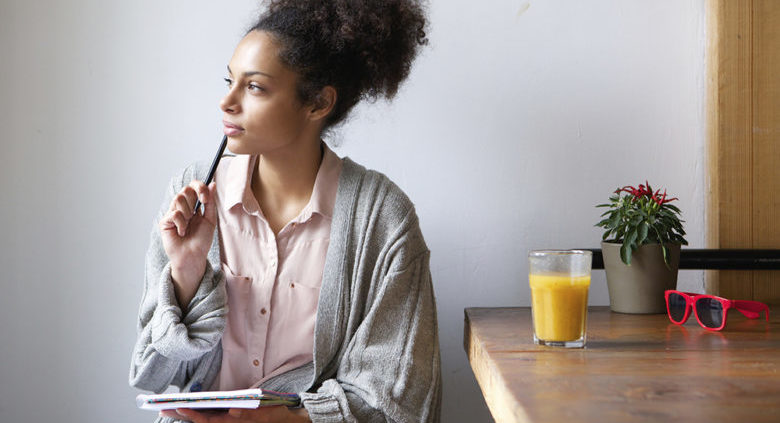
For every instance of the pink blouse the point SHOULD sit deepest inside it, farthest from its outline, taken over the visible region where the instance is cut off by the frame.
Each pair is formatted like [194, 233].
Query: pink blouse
[273, 282]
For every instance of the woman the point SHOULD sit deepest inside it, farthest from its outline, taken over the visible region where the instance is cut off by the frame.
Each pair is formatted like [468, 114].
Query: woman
[305, 272]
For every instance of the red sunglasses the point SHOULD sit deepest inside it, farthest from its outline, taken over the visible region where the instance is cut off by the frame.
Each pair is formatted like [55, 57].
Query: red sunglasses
[711, 311]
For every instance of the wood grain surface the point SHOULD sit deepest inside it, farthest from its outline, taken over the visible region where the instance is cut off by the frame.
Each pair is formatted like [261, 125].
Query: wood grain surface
[743, 114]
[635, 368]
[766, 134]
[732, 139]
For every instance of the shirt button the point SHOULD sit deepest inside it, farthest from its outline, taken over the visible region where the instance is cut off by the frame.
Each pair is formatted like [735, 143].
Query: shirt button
[256, 362]
[263, 311]
[292, 285]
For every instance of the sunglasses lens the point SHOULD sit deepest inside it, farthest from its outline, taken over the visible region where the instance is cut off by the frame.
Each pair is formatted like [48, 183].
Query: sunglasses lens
[710, 312]
[677, 307]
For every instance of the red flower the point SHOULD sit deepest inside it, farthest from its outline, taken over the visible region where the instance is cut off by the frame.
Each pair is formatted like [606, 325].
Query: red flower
[644, 190]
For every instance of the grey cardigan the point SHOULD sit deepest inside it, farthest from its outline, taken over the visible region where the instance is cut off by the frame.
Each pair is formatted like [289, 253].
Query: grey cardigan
[376, 348]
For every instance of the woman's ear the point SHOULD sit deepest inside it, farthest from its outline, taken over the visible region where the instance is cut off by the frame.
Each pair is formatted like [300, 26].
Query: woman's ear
[323, 103]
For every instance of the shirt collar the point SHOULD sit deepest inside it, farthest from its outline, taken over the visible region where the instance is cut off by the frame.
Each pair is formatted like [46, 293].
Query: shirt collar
[238, 187]
[323, 195]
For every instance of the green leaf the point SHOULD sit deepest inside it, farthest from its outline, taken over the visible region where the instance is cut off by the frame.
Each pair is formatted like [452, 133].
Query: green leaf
[614, 220]
[659, 237]
[631, 239]
[625, 254]
[643, 228]
[673, 208]
[619, 232]
[666, 256]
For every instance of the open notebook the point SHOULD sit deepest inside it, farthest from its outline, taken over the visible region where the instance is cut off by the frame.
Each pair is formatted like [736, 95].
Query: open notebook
[244, 398]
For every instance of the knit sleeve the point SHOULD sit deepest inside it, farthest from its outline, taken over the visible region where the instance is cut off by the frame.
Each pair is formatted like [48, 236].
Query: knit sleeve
[176, 346]
[391, 369]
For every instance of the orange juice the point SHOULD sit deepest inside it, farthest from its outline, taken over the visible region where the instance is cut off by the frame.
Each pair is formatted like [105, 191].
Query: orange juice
[559, 305]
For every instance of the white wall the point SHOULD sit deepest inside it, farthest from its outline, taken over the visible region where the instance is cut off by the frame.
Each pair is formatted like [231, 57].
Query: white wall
[516, 121]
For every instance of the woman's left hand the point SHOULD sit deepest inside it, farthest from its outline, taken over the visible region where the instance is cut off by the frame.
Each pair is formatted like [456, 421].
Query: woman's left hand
[275, 414]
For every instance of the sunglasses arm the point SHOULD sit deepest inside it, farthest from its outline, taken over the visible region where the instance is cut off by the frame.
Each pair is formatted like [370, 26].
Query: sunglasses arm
[751, 309]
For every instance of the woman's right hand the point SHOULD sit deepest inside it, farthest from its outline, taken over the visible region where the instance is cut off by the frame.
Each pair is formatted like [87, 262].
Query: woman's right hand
[187, 237]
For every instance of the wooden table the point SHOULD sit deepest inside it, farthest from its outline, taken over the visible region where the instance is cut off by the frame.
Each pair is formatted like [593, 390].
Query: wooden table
[635, 368]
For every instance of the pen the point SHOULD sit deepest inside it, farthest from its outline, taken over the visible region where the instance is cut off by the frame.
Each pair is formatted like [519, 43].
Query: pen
[213, 169]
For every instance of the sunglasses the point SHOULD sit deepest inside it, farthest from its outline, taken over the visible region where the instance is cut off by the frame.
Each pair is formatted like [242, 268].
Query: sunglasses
[711, 311]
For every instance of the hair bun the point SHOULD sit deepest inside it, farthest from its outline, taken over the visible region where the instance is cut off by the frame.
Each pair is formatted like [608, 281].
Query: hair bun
[364, 49]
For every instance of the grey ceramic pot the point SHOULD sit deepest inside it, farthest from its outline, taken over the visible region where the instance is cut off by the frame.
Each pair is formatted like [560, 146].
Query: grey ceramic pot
[639, 288]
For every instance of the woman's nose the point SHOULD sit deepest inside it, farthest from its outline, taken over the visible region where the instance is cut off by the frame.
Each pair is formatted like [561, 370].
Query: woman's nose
[229, 103]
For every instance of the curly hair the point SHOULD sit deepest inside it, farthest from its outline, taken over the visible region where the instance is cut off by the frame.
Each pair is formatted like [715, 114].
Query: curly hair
[362, 48]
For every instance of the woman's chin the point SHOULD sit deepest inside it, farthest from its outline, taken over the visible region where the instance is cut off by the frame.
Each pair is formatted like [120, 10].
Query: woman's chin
[236, 146]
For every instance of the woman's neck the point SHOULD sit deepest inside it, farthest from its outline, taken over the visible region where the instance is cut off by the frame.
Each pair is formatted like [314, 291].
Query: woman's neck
[283, 181]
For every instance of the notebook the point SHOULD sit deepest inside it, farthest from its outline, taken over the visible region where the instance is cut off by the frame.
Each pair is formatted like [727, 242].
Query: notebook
[244, 398]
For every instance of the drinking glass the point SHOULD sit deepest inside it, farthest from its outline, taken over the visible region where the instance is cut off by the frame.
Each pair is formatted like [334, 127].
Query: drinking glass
[559, 282]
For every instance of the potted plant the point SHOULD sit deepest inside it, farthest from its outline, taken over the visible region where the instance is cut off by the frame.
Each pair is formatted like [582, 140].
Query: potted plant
[641, 248]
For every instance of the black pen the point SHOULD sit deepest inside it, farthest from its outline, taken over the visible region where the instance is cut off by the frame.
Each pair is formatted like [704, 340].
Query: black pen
[213, 169]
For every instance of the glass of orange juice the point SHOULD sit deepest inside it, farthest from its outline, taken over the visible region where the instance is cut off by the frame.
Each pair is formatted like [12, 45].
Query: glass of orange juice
[559, 296]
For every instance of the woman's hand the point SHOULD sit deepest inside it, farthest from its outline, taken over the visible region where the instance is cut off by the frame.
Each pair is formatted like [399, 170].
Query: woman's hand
[187, 237]
[276, 414]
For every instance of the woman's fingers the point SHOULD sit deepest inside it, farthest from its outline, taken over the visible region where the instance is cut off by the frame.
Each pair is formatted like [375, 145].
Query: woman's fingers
[186, 198]
[201, 193]
[183, 204]
[209, 203]
[185, 415]
[197, 417]
[235, 415]
[178, 218]
[168, 222]
[172, 414]
[174, 220]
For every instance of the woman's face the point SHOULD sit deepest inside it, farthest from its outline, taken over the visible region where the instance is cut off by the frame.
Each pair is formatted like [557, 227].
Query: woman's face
[262, 112]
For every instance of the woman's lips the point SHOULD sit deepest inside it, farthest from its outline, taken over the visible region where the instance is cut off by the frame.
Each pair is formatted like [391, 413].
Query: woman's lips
[231, 129]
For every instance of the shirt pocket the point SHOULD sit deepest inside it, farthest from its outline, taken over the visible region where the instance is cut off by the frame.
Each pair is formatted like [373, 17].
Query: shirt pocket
[310, 263]
[239, 289]
[303, 290]
[303, 296]
[296, 311]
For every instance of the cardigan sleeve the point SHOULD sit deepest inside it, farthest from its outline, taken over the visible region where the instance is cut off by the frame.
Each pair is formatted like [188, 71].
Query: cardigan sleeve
[391, 369]
[176, 346]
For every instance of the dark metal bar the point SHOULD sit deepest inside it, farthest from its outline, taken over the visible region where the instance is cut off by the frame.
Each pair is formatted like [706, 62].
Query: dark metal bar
[716, 259]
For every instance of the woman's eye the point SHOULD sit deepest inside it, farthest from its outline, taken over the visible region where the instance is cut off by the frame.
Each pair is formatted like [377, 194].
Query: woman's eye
[255, 87]
[228, 81]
